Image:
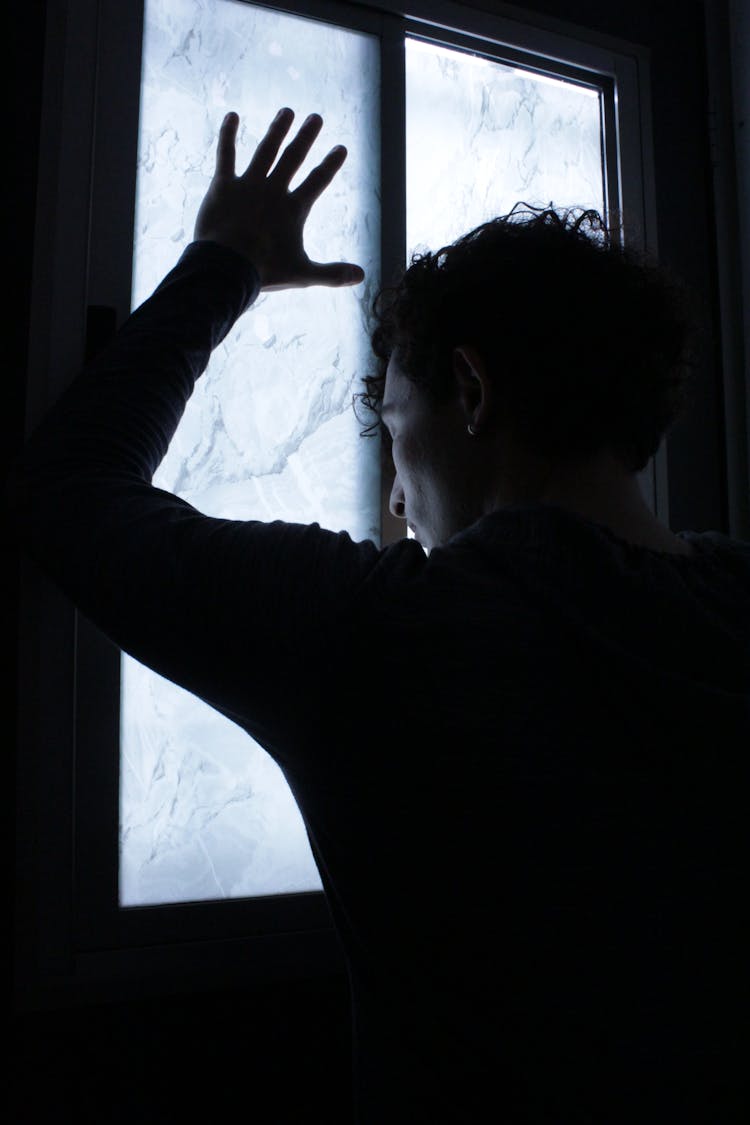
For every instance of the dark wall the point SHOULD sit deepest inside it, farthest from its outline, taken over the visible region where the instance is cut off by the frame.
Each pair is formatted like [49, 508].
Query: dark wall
[197, 1057]
[276, 1057]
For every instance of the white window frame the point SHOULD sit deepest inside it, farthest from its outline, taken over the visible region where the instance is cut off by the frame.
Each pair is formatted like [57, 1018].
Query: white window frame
[73, 941]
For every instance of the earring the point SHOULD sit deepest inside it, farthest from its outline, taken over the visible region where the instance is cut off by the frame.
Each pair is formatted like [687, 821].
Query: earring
[471, 430]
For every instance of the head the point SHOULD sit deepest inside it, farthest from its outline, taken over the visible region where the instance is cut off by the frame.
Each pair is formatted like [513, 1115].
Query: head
[562, 349]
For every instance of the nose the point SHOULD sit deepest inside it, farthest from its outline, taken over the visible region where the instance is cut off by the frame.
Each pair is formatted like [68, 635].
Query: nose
[397, 500]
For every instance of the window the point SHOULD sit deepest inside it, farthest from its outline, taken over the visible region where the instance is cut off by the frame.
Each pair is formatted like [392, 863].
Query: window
[483, 135]
[451, 116]
[269, 432]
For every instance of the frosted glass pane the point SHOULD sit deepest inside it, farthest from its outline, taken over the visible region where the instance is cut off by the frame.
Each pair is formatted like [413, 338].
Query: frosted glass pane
[480, 136]
[269, 432]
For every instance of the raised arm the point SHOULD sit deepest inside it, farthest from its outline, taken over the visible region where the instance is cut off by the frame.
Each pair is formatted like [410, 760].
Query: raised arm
[226, 608]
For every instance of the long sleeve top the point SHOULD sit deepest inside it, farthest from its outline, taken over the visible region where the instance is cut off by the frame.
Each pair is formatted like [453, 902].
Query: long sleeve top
[521, 760]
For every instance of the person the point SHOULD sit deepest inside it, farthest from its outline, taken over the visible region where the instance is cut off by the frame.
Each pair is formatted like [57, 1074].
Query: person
[518, 743]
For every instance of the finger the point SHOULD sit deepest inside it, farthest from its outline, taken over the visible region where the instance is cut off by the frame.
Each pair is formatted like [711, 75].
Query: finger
[296, 151]
[225, 148]
[315, 184]
[334, 273]
[268, 147]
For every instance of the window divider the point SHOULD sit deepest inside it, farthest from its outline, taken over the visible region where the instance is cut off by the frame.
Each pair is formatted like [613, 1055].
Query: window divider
[393, 205]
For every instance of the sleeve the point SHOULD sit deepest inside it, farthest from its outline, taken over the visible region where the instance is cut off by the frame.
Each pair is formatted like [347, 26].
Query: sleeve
[236, 612]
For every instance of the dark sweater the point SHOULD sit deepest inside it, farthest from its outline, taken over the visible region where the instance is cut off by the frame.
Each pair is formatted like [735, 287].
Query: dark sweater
[521, 760]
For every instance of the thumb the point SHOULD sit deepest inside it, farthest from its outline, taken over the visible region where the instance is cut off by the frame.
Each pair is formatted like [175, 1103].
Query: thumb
[334, 273]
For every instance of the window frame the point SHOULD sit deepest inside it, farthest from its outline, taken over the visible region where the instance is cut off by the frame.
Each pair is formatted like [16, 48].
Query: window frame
[73, 941]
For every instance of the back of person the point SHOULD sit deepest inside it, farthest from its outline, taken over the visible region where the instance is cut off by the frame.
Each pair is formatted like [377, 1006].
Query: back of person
[540, 737]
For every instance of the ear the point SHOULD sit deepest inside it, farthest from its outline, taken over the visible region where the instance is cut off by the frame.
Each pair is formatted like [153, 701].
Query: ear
[473, 385]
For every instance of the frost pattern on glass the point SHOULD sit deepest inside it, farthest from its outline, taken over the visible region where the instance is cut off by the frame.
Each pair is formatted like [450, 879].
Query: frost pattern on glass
[481, 136]
[269, 432]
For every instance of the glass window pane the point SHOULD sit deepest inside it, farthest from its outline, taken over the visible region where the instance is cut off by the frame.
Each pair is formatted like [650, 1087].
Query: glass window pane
[269, 432]
[480, 136]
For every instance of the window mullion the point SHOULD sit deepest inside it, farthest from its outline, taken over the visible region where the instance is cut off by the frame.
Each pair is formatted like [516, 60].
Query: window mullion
[610, 162]
[393, 199]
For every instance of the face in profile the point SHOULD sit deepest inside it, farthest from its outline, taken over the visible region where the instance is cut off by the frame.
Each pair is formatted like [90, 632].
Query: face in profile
[432, 456]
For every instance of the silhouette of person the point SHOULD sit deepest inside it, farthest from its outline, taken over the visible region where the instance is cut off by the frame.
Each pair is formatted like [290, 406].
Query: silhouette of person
[519, 744]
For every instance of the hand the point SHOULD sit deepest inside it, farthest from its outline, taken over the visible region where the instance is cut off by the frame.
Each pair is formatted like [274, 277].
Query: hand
[257, 215]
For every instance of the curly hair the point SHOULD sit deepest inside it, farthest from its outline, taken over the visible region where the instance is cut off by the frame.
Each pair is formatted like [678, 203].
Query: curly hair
[590, 344]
